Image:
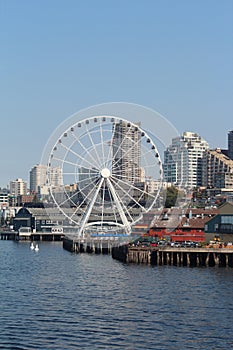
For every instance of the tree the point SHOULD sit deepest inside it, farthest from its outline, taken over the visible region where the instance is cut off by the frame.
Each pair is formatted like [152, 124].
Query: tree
[171, 196]
[2, 221]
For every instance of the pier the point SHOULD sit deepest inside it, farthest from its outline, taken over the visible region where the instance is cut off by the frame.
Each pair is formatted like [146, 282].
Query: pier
[32, 236]
[8, 235]
[94, 245]
[190, 257]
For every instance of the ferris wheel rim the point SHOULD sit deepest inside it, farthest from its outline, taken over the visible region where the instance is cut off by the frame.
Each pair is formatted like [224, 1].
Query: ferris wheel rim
[104, 172]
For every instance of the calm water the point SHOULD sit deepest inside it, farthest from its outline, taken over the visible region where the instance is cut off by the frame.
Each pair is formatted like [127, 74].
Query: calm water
[57, 300]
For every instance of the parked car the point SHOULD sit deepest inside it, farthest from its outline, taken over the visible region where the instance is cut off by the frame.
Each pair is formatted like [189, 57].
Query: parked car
[176, 244]
[162, 243]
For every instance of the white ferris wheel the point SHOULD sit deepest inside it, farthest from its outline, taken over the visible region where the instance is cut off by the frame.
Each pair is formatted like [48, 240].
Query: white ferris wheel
[100, 174]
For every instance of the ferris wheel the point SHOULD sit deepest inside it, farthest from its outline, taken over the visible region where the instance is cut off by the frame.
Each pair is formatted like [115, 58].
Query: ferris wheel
[101, 172]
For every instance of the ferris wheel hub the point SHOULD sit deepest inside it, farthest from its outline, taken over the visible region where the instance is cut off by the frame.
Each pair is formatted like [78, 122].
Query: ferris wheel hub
[105, 173]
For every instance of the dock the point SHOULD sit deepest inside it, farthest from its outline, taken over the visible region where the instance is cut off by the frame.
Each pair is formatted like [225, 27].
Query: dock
[8, 235]
[93, 245]
[190, 257]
[32, 236]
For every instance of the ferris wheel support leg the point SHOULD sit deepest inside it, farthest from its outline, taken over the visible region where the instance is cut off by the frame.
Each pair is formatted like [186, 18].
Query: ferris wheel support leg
[119, 207]
[89, 210]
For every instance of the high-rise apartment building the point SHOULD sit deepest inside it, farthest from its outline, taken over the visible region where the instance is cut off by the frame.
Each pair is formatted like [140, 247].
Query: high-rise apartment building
[18, 187]
[217, 169]
[230, 144]
[38, 177]
[55, 177]
[126, 148]
[183, 160]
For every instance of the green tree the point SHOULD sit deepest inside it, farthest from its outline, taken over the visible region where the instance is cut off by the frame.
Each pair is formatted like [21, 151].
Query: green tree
[171, 196]
[2, 221]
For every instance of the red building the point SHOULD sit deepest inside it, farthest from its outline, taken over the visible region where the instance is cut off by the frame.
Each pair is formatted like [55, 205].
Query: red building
[179, 225]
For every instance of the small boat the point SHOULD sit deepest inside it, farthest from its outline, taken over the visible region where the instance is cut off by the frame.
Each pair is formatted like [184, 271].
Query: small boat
[37, 248]
[32, 246]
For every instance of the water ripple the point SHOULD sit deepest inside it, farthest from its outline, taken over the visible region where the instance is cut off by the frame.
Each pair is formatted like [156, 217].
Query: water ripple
[57, 300]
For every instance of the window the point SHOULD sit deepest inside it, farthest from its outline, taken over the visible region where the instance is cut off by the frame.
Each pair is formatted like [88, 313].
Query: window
[227, 219]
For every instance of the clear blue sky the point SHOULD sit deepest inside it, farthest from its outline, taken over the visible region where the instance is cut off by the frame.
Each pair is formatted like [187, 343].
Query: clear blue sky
[57, 57]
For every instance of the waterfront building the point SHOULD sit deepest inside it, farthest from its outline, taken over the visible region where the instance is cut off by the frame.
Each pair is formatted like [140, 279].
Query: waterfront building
[38, 219]
[18, 187]
[217, 170]
[183, 160]
[222, 223]
[230, 144]
[177, 224]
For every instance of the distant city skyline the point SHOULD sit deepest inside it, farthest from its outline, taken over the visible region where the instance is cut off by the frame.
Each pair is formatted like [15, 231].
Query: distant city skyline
[59, 57]
[35, 177]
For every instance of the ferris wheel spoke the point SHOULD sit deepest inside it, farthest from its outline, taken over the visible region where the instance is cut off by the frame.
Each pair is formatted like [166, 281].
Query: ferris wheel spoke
[88, 184]
[64, 161]
[120, 147]
[135, 187]
[90, 207]
[93, 145]
[86, 196]
[92, 171]
[106, 160]
[76, 154]
[84, 201]
[126, 209]
[110, 143]
[74, 194]
[113, 206]
[103, 196]
[120, 206]
[91, 175]
[102, 143]
[129, 150]
[67, 199]
[86, 150]
[73, 173]
[128, 195]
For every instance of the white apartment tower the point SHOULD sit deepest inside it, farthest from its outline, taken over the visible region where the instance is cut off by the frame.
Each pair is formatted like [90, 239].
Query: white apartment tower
[217, 170]
[18, 187]
[38, 177]
[126, 149]
[183, 160]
